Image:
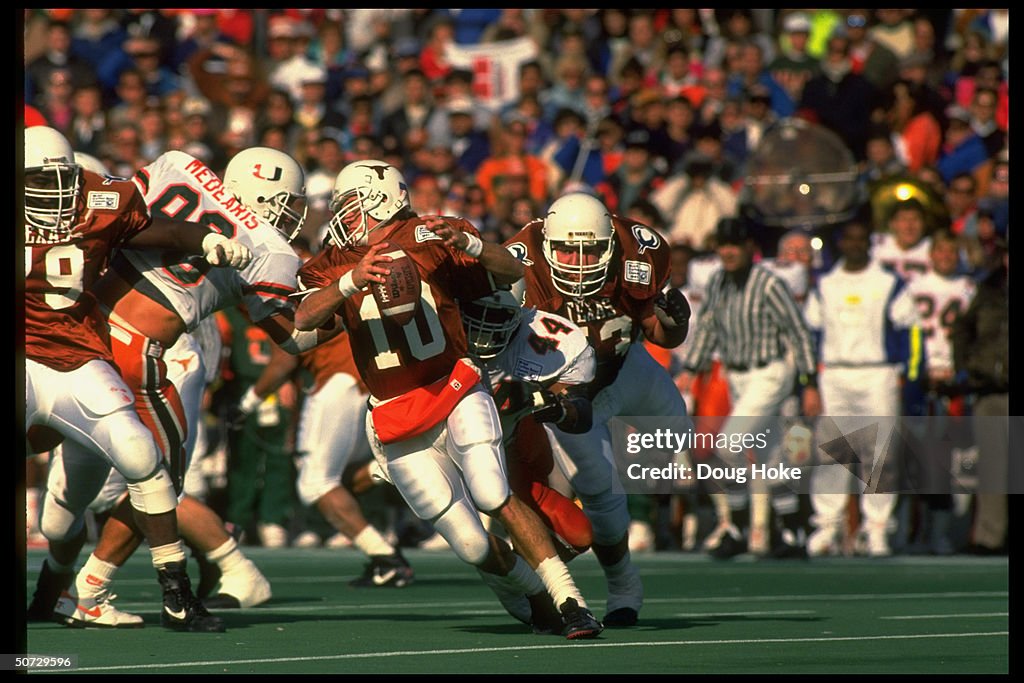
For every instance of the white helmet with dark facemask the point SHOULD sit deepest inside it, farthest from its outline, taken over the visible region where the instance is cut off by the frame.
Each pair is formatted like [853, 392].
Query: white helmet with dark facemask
[272, 185]
[490, 322]
[577, 228]
[363, 190]
[53, 182]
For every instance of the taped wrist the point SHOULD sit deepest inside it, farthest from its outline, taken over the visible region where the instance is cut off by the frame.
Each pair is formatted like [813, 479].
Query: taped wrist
[474, 247]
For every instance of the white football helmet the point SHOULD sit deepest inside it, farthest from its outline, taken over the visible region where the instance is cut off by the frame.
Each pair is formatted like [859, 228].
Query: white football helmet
[490, 322]
[272, 185]
[91, 163]
[579, 223]
[53, 182]
[365, 189]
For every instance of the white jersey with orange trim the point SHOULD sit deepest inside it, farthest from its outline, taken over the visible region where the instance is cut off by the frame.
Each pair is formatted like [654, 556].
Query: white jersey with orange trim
[180, 186]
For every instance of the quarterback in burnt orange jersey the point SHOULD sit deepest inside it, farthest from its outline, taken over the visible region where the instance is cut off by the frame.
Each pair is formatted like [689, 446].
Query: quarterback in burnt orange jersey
[432, 424]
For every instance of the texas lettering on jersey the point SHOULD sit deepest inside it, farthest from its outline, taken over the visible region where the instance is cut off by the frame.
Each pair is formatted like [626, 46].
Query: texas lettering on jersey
[62, 328]
[611, 318]
[394, 359]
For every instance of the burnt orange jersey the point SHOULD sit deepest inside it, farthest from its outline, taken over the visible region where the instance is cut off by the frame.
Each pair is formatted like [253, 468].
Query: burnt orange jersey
[328, 359]
[62, 327]
[393, 359]
[611, 318]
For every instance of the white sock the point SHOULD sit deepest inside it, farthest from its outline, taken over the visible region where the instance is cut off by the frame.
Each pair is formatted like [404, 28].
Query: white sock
[558, 581]
[166, 554]
[227, 556]
[371, 542]
[94, 577]
[524, 577]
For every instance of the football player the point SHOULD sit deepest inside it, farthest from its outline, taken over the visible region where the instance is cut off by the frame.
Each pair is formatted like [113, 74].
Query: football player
[529, 361]
[432, 420]
[74, 222]
[150, 301]
[606, 274]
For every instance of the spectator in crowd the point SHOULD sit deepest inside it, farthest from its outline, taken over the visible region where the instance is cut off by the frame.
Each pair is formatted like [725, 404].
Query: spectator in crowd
[58, 55]
[794, 66]
[88, 126]
[917, 131]
[55, 99]
[981, 352]
[637, 177]
[963, 150]
[869, 58]
[838, 98]
[962, 202]
[984, 103]
[695, 202]
[895, 31]
[508, 161]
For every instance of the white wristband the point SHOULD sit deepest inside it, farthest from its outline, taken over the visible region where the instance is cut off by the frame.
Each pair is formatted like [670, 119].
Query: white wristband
[474, 247]
[250, 401]
[346, 285]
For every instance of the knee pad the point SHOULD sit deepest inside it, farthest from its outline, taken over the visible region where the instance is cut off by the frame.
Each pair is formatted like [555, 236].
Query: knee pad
[153, 495]
[130, 446]
[608, 515]
[483, 470]
[56, 521]
[460, 526]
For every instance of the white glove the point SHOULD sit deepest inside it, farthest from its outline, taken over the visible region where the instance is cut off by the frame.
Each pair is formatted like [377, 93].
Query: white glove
[220, 251]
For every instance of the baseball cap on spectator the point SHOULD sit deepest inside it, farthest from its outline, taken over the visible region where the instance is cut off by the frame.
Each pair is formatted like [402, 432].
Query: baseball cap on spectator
[195, 106]
[357, 71]
[407, 47]
[957, 113]
[460, 105]
[281, 27]
[638, 139]
[797, 23]
[731, 231]
[711, 130]
[313, 74]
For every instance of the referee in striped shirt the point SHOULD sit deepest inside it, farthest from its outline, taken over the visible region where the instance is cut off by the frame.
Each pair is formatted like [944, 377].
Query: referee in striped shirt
[752, 320]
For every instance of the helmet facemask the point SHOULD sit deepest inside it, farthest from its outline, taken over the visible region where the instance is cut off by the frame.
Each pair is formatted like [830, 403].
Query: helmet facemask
[282, 211]
[581, 279]
[52, 195]
[490, 323]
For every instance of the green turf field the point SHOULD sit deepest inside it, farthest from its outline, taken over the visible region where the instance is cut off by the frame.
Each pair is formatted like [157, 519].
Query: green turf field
[899, 615]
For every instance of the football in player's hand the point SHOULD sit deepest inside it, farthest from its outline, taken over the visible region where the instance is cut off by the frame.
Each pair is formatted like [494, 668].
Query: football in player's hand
[399, 295]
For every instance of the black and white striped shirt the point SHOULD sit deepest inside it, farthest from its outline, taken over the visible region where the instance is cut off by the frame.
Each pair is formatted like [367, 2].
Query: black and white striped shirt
[748, 322]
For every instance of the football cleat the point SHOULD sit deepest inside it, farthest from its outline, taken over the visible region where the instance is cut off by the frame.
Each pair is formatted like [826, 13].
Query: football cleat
[385, 570]
[240, 587]
[182, 610]
[93, 612]
[731, 545]
[49, 587]
[578, 621]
